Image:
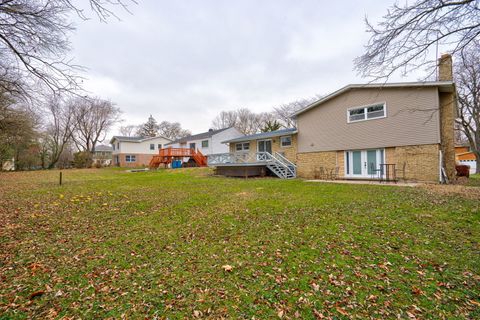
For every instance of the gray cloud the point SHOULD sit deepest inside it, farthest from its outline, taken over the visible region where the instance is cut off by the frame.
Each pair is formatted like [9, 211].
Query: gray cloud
[188, 60]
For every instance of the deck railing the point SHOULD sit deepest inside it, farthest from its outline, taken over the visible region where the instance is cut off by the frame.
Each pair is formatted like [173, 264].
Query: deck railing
[238, 158]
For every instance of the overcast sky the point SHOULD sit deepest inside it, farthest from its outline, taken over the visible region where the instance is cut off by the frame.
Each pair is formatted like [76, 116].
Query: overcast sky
[186, 61]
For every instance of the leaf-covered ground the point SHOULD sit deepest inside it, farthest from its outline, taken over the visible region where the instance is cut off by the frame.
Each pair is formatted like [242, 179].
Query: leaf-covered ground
[183, 244]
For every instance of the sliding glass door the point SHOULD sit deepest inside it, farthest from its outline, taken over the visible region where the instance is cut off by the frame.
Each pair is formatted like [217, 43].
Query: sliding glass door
[363, 163]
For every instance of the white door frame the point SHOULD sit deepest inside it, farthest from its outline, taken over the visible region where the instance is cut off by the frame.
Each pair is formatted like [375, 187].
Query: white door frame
[363, 160]
[258, 145]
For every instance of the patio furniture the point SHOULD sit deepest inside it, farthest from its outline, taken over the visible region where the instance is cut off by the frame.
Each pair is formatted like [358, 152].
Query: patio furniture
[374, 172]
[388, 172]
[320, 173]
[401, 171]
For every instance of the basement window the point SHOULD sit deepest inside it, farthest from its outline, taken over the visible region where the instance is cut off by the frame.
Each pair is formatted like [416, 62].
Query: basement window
[374, 111]
[130, 158]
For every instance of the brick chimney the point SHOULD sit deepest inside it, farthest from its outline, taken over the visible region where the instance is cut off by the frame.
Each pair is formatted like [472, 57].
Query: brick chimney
[445, 72]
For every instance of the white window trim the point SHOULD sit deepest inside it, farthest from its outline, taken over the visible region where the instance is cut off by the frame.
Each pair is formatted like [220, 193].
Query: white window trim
[365, 107]
[131, 155]
[291, 142]
[258, 145]
[242, 149]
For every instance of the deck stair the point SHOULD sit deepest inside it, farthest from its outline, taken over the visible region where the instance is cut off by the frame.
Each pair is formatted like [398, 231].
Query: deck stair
[167, 155]
[281, 166]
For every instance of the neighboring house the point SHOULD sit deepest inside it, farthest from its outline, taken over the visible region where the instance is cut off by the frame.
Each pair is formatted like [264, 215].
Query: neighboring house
[207, 142]
[135, 151]
[464, 155]
[359, 127]
[102, 155]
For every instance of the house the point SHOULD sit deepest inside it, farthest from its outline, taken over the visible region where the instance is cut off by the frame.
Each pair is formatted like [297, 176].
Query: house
[357, 130]
[252, 150]
[207, 142]
[135, 151]
[464, 155]
[102, 155]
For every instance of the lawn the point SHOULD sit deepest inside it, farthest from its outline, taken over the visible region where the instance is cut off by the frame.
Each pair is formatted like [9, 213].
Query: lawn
[183, 244]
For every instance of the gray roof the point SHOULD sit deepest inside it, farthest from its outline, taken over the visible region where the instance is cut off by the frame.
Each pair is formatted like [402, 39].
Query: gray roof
[263, 135]
[446, 86]
[135, 139]
[103, 147]
[199, 136]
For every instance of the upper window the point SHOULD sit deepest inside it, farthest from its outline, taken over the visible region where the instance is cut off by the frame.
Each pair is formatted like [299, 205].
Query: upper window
[159, 146]
[205, 144]
[244, 146]
[113, 145]
[286, 141]
[366, 113]
[130, 158]
[152, 146]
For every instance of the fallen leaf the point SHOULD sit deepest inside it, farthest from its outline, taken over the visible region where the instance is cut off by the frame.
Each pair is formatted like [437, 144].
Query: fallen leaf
[36, 294]
[227, 268]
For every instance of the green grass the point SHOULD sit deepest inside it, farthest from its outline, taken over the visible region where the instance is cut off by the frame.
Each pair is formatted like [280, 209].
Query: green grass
[109, 244]
[474, 180]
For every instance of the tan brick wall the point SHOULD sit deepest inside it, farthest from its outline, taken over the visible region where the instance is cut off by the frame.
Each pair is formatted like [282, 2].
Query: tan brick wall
[142, 160]
[422, 162]
[447, 134]
[308, 162]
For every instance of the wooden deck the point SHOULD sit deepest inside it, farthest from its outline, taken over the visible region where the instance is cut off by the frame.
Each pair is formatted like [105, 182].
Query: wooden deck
[167, 155]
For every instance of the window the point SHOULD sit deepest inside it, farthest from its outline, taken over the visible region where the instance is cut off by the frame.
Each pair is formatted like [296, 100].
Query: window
[286, 141]
[205, 144]
[159, 146]
[366, 113]
[118, 145]
[244, 146]
[130, 158]
[152, 146]
[113, 145]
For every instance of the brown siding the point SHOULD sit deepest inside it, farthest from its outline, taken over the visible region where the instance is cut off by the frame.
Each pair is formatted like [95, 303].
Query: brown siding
[412, 119]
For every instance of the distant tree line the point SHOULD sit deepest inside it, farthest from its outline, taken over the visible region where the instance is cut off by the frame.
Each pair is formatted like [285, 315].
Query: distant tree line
[48, 135]
[151, 128]
[249, 122]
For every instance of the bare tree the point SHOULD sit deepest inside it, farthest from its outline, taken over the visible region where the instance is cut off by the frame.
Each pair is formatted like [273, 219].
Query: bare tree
[128, 130]
[284, 112]
[60, 128]
[17, 131]
[172, 130]
[225, 119]
[409, 33]
[467, 78]
[34, 42]
[93, 118]
[246, 121]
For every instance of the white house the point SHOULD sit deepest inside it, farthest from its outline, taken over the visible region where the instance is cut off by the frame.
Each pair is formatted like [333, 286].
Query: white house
[209, 142]
[135, 151]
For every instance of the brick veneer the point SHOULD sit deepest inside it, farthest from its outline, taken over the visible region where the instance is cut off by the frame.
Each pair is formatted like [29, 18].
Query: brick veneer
[142, 160]
[422, 161]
